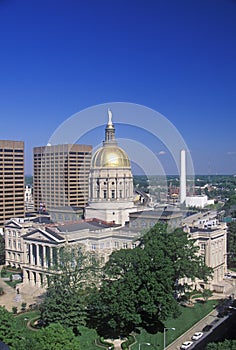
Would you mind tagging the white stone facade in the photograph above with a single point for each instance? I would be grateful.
(210, 236)
(34, 247)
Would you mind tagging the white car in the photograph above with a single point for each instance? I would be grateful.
(186, 345)
(228, 275)
(197, 335)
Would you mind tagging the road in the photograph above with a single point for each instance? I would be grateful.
(225, 330)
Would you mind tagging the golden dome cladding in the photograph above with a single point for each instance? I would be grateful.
(110, 157)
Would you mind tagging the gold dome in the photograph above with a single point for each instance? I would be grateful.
(110, 156)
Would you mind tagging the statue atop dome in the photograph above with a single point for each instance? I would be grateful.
(109, 116)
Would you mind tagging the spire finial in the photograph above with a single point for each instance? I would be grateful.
(109, 116)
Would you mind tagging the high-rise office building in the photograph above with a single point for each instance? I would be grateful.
(61, 179)
(12, 180)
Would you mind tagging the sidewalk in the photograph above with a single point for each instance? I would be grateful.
(11, 298)
(211, 317)
(196, 328)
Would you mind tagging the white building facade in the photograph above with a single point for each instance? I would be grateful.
(210, 236)
(34, 247)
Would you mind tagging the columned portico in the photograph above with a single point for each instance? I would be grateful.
(39, 254)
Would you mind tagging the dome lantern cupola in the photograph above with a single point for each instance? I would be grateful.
(110, 155)
(110, 129)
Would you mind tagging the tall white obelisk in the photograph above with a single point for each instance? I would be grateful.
(182, 176)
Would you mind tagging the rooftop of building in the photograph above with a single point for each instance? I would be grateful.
(201, 229)
(91, 225)
(157, 214)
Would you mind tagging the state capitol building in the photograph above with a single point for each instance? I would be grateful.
(90, 199)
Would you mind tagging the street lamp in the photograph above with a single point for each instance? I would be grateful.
(165, 329)
(139, 346)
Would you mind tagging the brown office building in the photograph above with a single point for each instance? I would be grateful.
(61, 180)
(12, 180)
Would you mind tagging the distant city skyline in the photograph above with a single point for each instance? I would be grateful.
(175, 57)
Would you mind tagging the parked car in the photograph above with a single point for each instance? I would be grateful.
(207, 328)
(197, 335)
(186, 345)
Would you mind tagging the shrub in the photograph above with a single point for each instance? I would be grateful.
(130, 340)
(14, 310)
(23, 306)
(101, 341)
(3, 272)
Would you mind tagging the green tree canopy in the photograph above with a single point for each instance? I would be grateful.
(8, 330)
(179, 251)
(56, 337)
(231, 244)
(225, 345)
(65, 299)
(139, 284)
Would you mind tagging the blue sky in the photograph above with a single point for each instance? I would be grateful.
(177, 57)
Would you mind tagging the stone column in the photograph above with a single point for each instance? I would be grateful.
(25, 277)
(37, 255)
(38, 279)
(25, 255)
(44, 256)
(124, 196)
(31, 278)
(116, 184)
(31, 254)
(51, 256)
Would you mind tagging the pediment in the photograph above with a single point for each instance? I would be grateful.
(13, 224)
(43, 236)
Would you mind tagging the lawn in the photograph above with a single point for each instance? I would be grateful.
(87, 338)
(7, 273)
(23, 319)
(188, 317)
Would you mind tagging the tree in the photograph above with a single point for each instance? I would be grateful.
(53, 337)
(206, 294)
(179, 250)
(139, 284)
(225, 345)
(65, 299)
(230, 204)
(2, 250)
(56, 337)
(8, 330)
(132, 294)
(231, 244)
